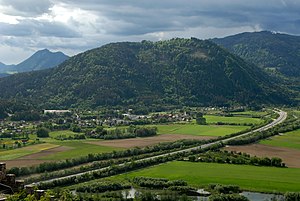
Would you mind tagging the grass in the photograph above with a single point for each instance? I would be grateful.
(17, 153)
(288, 140)
(253, 178)
(76, 148)
(201, 130)
(67, 133)
(238, 120)
(255, 113)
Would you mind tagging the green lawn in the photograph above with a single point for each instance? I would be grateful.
(78, 148)
(238, 120)
(267, 179)
(19, 152)
(289, 140)
(201, 130)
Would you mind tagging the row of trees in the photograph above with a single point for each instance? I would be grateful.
(235, 158)
(157, 183)
(130, 132)
(100, 187)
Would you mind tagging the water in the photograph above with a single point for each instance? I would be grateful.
(253, 196)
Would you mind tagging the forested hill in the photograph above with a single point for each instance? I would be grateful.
(267, 50)
(177, 71)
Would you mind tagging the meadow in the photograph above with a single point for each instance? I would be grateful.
(76, 148)
(251, 113)
(199, 130)
(252, 178)
(24, 151)
(287, 140)
(211, 119)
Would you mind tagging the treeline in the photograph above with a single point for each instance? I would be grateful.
(235, 158)
(178, 186)
(65, 195)
(130, 132)
(157, 183)
(233, 124)
(100, 187)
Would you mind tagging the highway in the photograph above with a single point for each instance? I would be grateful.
(280, 119)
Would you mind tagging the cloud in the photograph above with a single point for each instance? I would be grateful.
(37, 28)
(76, 25)
(26, 8)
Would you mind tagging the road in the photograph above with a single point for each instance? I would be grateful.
(280, 119)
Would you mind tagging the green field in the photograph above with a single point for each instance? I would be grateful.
(67, 133)
(238, 120)
(76, 148)
(201, 130)
(253, 113)
(72, 149)
(17, 153)
(288, 140)
(253, 178)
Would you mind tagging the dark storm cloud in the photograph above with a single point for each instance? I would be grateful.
(84, 24)
(37, 28)
(144, 16)
(27, 7)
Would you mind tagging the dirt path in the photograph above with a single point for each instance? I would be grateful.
(143, 142)
(291, 157)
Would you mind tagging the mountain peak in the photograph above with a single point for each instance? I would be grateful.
(42, 59)
(44, 50)
(173, 72)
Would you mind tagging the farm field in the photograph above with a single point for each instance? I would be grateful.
(56, 150)
(147, 141)
(67, 133)
(238, 120)
(253, 178)
(288, 140)
(77, 148)
(253, 113)
(285, 146)
(289, 156)
(20, 152)
(199, 130)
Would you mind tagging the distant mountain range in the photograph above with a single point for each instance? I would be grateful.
(188, 72)
(3, 75)
(266, 49)
(42, 59)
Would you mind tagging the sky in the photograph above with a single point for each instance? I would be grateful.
(73, 26)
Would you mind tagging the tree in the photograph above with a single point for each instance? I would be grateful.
(42, 132)
(200, 119)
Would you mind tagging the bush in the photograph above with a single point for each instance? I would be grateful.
(42, 132)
